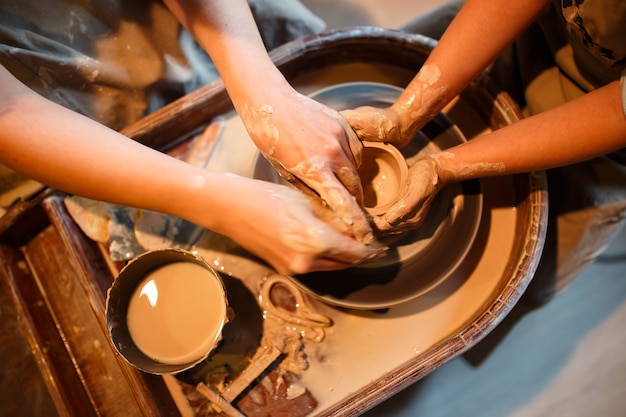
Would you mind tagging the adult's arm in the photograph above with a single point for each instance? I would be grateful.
(582, 129)
(70, 152)
(301, 137)
(476, 36)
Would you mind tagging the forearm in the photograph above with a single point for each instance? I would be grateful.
(478, 34)
(228, 33)
(589, 126)
(75, 154)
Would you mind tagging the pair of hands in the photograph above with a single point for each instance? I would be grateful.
(423, 181)
(318, 150)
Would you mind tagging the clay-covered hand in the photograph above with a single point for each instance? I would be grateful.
(376, 124)
(423, 184)
(314, 148)
(389, 124)
(397, 124)
(285, 228)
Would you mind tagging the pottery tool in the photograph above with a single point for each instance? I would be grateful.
(218, 401)
(223, 402)
(300, 315)
(252, 372)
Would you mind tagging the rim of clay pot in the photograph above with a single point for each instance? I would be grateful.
(400, 168)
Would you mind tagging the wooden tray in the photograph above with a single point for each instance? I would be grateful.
(58, 278)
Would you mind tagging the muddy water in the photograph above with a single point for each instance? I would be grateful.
(176, 314)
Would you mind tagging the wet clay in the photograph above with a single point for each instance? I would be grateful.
(262, 126)
(176, 314)
(382, 172)
(425, 97)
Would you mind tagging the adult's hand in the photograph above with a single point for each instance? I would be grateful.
(285, 228)
(314, 148)
(298, 135)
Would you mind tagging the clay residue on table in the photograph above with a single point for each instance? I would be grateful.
(243, 369)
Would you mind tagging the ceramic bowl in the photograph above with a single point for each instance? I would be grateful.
(166, 310)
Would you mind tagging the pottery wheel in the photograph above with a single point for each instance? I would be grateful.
(423, 258)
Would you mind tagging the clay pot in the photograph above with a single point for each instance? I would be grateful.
(383, 173)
